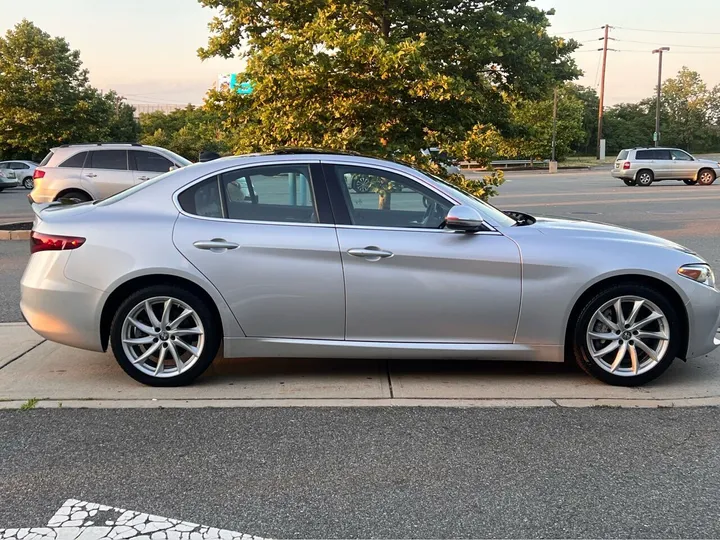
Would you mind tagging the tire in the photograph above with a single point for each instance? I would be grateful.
(137, 360)
(629, 182)
(705, 177)
(588, 348)
(28, 182)
(690, 182)
(644, 178)
(361, 184)
(75, 196)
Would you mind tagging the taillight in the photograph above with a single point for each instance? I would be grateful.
(39, 173)
(51, 242)
(626, 166)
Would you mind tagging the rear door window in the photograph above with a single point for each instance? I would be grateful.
(75, 161)
(109, 159)
(662, 155)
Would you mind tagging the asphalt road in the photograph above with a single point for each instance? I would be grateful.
(14, 206)
(375, 473)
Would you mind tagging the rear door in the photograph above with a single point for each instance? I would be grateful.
(147, 164)
(106, 173)
(644, 159)
(264, 236)
(663, 164)
(620, 159)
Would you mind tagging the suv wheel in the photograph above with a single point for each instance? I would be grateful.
(629, 182)
(627, 335)
(164, 336)
(644, 178)
(706, 177)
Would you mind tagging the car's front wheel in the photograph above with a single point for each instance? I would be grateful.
(164, 336)
(629, 182)
(706, 177)
(627, 335)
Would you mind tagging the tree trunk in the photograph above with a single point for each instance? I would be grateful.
(384, 200)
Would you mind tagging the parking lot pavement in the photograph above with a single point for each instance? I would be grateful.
(14, 206)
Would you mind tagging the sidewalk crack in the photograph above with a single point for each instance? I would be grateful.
(22, 354)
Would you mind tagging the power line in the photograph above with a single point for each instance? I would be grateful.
(669, 44)
(578, 31)
(694, 32)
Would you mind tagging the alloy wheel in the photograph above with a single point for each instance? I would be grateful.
(628, 336)
(644, 179)
(163, 336)
(706, 178)
(28, 183)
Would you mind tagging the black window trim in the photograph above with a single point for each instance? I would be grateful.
(132, 162)
(317, 183)
(92, 166)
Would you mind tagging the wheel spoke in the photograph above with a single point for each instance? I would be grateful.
(147, 354)
(607, 322)
(633, 359)
(619, 313)
(184, 315)
(647, 350)
(161, 361)
(619, 357)
(142, 327)
(139, 341)
(176, 357)
(654, 316)
(186, 332)
(634, 312)
(151, 314)
(192, 350)
(166, 313)
(610, 348)
(608, 336)
(652, 335)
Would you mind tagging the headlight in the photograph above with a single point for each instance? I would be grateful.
(702, 273)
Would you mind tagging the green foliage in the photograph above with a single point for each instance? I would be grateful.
(29, 405)
(187, 131)
(45, 98)
(383, 78)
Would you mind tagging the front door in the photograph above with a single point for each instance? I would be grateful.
(146, 164)
(409, 280)
(266, 241)
(684, 166)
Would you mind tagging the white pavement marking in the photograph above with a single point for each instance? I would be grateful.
(79, 520)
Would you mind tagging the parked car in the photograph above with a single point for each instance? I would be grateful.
(273, 255)
(643, 166)
(23, 171)
(85, 172)
(8, 179)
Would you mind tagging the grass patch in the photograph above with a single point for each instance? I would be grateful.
(29, 404)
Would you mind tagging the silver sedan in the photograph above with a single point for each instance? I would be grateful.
(276, 255)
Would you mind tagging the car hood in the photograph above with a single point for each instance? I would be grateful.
(597, 231)
(708, 162)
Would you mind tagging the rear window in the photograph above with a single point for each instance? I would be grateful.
(75, 161)
(622, 155)
(46, 160)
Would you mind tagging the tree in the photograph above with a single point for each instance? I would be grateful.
(46, 100)
(383, 77)
(187, 131)
(628, 125)
(591, 103)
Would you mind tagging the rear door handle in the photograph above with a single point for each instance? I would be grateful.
(91, 175)
(143, 178)
(216, 245)
(370, 253)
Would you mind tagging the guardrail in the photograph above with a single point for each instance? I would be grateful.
(507, 163)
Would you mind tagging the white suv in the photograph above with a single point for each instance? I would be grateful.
(85, 172)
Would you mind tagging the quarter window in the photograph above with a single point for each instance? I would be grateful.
(109, 159)
(150, 161)
(202, 199)
(75, 161)
(378, 198)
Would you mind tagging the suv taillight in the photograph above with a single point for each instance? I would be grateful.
(51, 242)
(626, 166)
(39, 173)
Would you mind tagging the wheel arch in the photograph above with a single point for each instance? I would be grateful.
(641, 169)
(701, 169)
(123, 290)
(658, 284)
(65, 191)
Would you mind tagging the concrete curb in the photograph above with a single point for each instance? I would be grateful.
(14, 235)
(391, 402)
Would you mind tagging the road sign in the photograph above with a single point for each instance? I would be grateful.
(655, 136)
(232, 81)
(77, 519)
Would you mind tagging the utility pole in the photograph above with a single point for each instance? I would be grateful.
(659, 88)
(602, 89)
(554, 133)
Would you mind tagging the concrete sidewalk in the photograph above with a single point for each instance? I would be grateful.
(31, 368)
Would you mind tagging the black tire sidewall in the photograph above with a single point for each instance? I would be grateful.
(213, 335)
(629, 183)
(652, 178)
(28, 181)
(79, 195)
(579, 345)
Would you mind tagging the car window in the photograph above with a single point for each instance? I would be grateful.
(280, 193)
(150, 161)
(662, 155)
(680, 155)
(46, 159)
(622, 155)
(644, 154)
(108, 159)
(75, 161)
(377, 198)
(202, 199)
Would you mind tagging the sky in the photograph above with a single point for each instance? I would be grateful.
(147, 49)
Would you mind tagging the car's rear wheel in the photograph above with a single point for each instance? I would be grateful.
(706, 177)
(75, 196)
(164, 336)
(626, 335)
(629, 182)
(690, 182)
(28, 182)
(644, 178)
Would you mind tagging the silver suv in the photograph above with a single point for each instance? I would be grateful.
(643, 166)
(95, 171)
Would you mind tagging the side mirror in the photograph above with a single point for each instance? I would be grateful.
(465, 219)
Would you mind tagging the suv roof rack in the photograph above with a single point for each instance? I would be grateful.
(98, 144)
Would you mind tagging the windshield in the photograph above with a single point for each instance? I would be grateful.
(487, 210)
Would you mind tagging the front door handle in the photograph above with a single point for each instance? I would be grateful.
(216, 245)
(91, 175)
(370, 253)
(143, 178)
